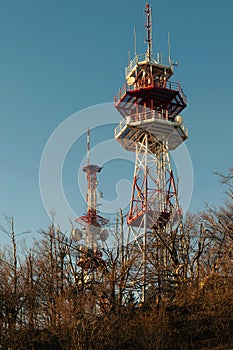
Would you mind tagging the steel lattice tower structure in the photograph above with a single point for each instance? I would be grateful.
(150, 104)
(91, 233)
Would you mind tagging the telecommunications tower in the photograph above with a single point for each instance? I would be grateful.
(150, 104)
(91, 232)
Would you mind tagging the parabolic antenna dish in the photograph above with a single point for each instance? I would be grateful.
(76, 234)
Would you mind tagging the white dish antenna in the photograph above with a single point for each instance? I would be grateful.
(130, 81)
(104, 235)
(76, 234)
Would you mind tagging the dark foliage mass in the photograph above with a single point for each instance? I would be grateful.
(57, 296)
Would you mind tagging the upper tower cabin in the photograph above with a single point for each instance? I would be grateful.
(148, 93)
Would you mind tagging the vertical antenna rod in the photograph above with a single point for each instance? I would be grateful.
(148, 26)
(88, 146)
(135, 43)
(169, 48)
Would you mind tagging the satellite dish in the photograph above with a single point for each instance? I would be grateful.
(178, 119)
(130, 81)
(76, 234)
(104, 235)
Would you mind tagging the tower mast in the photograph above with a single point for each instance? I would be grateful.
(150, 105)
(92, 224)
(148, 26)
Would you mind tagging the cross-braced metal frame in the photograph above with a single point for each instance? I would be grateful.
(154, 203)
(151, 126)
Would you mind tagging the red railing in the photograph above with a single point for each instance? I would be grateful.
(168, 85)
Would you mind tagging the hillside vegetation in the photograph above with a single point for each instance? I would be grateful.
(50, 300)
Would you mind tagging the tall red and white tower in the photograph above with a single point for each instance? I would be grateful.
(91, 232)
(150, 104)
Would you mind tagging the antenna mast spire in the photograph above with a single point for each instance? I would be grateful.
(169, 48)
(88, 146)
(148, 26)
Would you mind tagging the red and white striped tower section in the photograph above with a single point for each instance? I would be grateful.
(150, 104)
(91, 233)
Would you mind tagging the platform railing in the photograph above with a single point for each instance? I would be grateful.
(151, 114)
(140, 58)
(120, 126)
(133, 63)
(185, 129)
(168, 85)
(148, 115)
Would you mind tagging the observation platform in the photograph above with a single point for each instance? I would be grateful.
(147, 84)
(92, 219)
(155, 218)
(131, 130)
(167, 94)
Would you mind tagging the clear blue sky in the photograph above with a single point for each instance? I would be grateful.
(58, 57)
